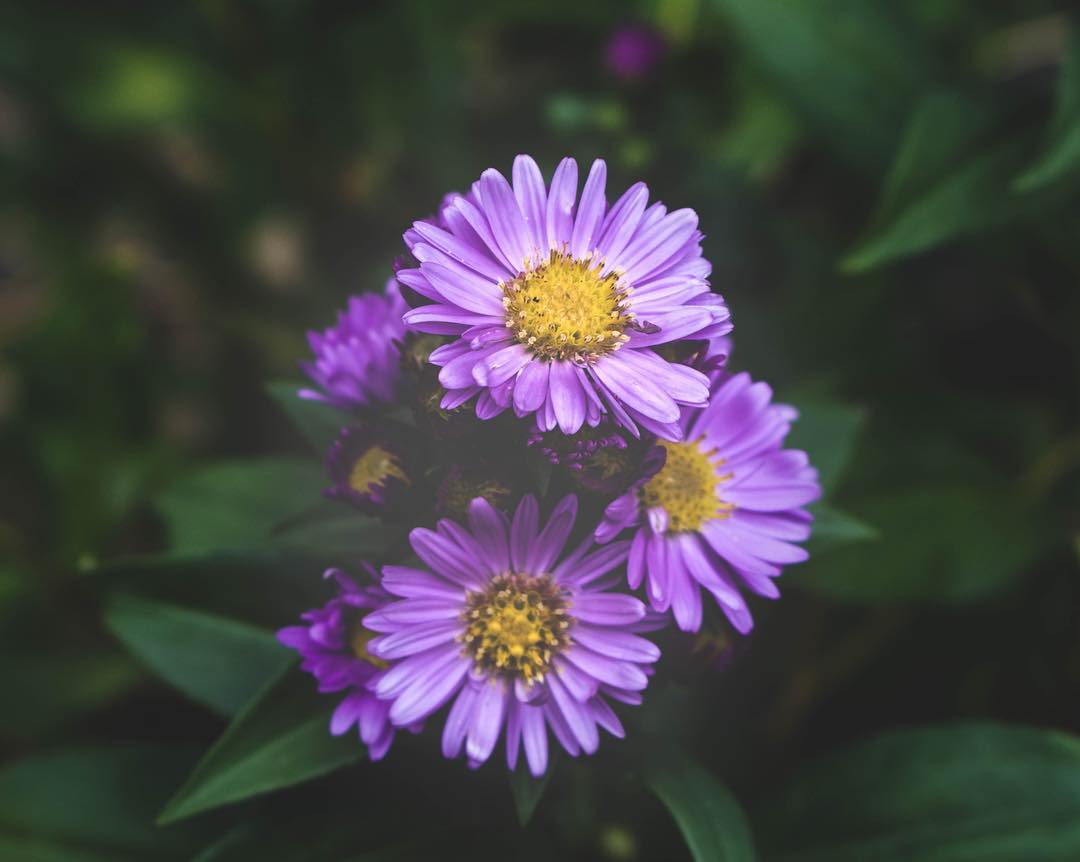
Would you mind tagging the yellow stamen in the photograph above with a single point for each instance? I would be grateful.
(565, 308)
(688, 487)
(358, 643)
(516, 625)
(373, 468)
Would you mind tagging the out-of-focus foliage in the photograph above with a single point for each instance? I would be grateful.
(891, 197)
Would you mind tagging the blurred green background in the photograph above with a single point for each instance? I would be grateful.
(891, 198)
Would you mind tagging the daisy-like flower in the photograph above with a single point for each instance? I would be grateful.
(519, 632)
(368, 469)
(723, 512)
(357, 362)
(557, 301)
(333, 644)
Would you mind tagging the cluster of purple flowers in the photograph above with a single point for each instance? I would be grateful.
(536, 330)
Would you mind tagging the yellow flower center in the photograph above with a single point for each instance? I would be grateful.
(373, 468)
(687, 487)
(515, 625)
(358, 643)
(566, 309)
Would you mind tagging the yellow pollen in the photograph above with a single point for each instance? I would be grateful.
(687, 487)
(374, 467)
(358, 643)
(516, 625)
(565, 308)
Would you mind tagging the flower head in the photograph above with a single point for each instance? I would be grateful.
(601, 459)
(725, 510)
(557, 303)
(517, 631)
(357, 362)
(333, 645)
(368, 469)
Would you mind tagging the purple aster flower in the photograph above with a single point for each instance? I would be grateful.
(725, 510)
(333, 645)
(357, 362)
(557, 302)
(368, 469)
(633, 50)
(600, 459)
(515, 630)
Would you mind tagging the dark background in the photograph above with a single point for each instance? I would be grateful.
(889, 194)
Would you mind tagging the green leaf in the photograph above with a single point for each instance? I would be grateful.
(82, 678)
(938, 542)
(281, 738)
(969, 792)
(335, 530)
(828, 433)
(848, 66)
(317, 421)
(709, 817)
(217, 661)
(1061, 156)
(528, 791)
(944, 126)
(234, 505)
(834, 529)
(90, 803)
(944, 184)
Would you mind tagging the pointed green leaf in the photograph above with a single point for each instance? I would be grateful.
(850, 67)
(827, 432)
(219, 662)
(709, 817)
(966, 792)
(834, 529)
(281, 738)
(90, 803)
(528, 791)
(972, 197)
(317, 421)
(335, 530)
(1061, 158)
(234, 505)
(938, 542)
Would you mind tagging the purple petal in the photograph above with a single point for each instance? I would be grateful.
(566, 397)
(415, 639)
(635, 561)
(577, 717)
(422, 698)
(523, 531)
(531, 387)
(617, 644)
(608, 609)
(621, 674)
(471, 292)
(462, 252)
(560, 204)
(590, 212)
(635, 390)
(532, 199)
(414, 583)
(487, 719)
(504, 216)
(552, 539)
(489, 527)
(458, 721)
(621, 222)
(534, 737)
